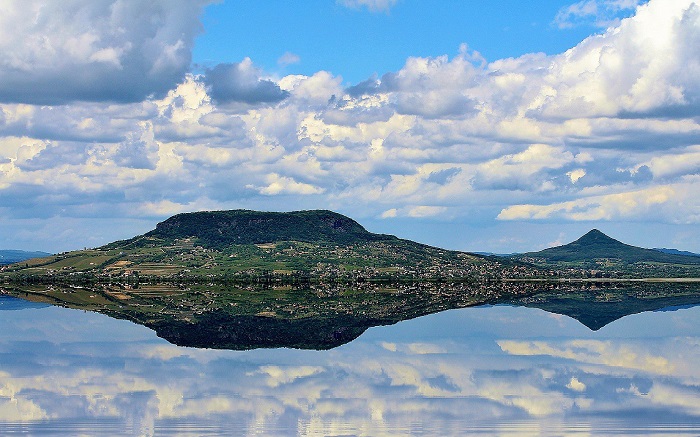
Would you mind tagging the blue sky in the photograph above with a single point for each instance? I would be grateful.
(482, 126)
(356, 42)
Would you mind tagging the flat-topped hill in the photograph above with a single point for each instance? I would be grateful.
(258, 227)
(219, 229)
(250, 245)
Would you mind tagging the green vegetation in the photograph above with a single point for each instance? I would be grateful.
(221, 229)
(596, 254)
(251, 246)
(243, 246)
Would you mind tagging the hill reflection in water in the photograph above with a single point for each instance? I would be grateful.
(325, 317)
(489, 369)
(593, 307)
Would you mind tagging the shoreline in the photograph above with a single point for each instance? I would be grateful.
(603, 280)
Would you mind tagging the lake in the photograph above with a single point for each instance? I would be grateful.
(490, 370)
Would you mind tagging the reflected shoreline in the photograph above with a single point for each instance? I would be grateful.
(324, 317)
(495, 369)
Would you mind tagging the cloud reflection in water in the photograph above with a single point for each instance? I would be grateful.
(494, 369)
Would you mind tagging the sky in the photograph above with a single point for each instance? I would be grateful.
(481, 126)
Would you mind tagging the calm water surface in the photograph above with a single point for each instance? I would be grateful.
(481, 371)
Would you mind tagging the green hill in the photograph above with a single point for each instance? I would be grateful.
(220, 229)
(324, 245)
(253, 245)
(601, 254)
(676, 251)
(597, 245)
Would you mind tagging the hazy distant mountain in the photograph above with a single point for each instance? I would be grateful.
(13, 256)
(503, 255)
(676, 251)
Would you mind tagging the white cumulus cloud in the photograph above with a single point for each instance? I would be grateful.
(371, 5)
(607, 130)
(102, 50)
(599, 13)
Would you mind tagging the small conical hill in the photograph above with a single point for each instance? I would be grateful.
(597, 245)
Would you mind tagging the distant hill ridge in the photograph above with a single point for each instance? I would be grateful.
(597, 245)
(13, 256)
(217, 229)
(676, 251)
